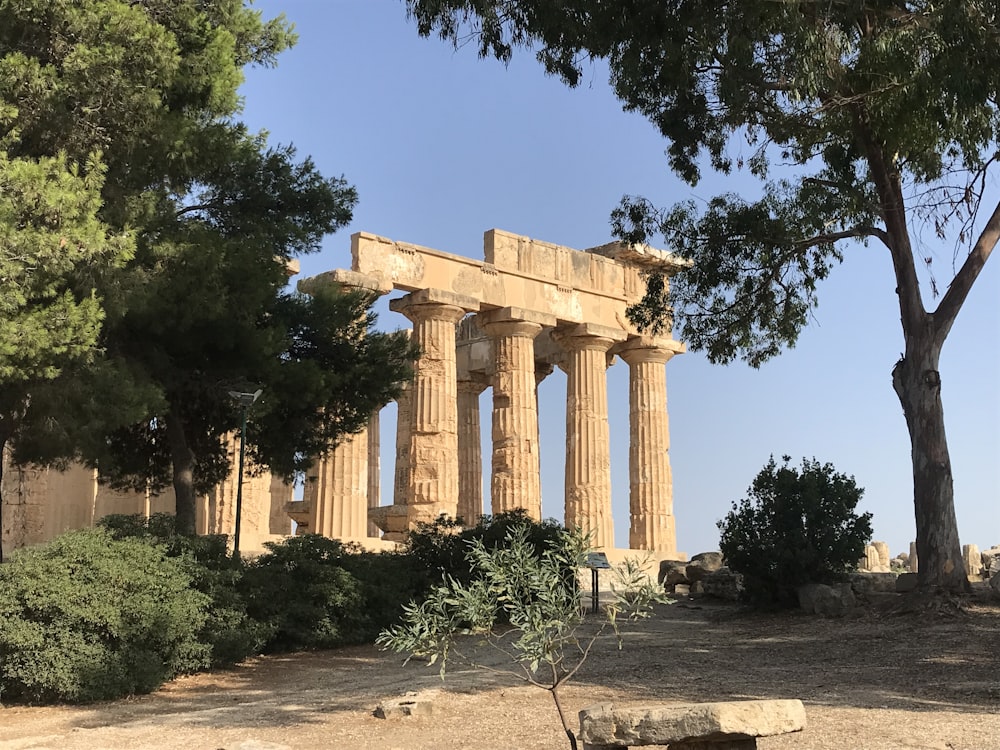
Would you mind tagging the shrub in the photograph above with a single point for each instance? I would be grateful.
(794, 527)
(303, 595)
(442, 547)
(88, 617)
(518, 603)
(230, 632)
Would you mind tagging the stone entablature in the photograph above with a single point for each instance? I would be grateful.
(505, 322)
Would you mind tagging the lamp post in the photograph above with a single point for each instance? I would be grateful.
(245, 401)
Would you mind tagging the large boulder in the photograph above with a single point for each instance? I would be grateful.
(672, 573)
(828, 601)
(723, 584)
(702, 565)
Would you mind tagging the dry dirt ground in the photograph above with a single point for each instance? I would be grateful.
(877, 681)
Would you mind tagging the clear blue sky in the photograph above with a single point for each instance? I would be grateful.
(443, 146)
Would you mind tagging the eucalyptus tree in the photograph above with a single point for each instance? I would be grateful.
(863, 121)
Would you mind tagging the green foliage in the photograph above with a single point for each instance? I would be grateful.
(881, 117)
(88, 617)
(303, 594)
(794, 527)
(544, 644)
(230, 632)
(441, 548)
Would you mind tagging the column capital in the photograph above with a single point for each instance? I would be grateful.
(475, 383)
(588, 336)
(514, 315)
(340, 279)
(437, 304)
(648, 349)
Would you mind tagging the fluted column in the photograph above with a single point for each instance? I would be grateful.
(401, 472)
(470, 456)
(514, 481)
(432, 486)
(588, 445)
(374, 467)
(339, 495)
(651, 508)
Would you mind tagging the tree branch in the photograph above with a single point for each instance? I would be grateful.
(959, 288)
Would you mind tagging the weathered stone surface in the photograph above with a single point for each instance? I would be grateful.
(906, 582)
(651, 506)
(702, 565)
(611, 726)
(991, 562)
(995, 583)
(723, 584)
(828, 601)
(711, 560)
(588, 451)
(261, 745)
(864, 583)
(973, 561)
(912, 559)
(672, 572)
(411, 704)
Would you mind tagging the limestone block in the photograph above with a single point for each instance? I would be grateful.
(828, 601)
(864, 583)
(973, 560)
(883, 556)
(702, 565)
(672, 572)
(411, 704)
(723, 584)
(995, 583)
(610, 726)
(991, 562)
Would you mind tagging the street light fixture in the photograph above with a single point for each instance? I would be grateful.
(245, 400)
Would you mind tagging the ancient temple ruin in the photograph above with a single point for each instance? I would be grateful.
(503, 323)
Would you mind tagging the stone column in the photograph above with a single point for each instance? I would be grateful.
(432, 486)
(339, 499)
(515, 482)
(374, 467)
(401, 472)
(650, 482)
(470, 457)
(588, 448)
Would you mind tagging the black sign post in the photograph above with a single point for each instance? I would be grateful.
(596, 561)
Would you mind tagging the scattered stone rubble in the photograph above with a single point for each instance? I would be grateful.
(706, 575)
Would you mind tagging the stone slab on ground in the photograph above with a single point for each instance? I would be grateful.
(607, 725)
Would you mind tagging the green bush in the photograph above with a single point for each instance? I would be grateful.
(232, 634)
(442, 547)
(794, 527)
(88, 617)
(303, 595)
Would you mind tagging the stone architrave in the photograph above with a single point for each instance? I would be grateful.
(470, 452)
(588, 440)
(515, 477)
(432, 487)
(374, 467)
(651, 506)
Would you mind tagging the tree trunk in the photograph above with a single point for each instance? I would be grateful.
(183, 461)
(3, 448)
(917, 382)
